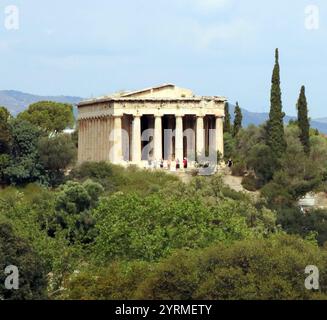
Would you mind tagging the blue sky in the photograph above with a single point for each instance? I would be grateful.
(215, 47)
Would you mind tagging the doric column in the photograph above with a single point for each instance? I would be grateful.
(94, 136)
(200, 137)
(168, 139)
(220, 135)
(158, 138)
(136, 140)
(97, 141)
(117, 135)
(80, 140)
(179, 145)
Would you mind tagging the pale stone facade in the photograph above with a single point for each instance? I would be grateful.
(159, 123)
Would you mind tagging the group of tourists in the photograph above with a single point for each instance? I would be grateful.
(171, 165)
(175, 165)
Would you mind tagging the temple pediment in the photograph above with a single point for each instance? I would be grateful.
(169, 91)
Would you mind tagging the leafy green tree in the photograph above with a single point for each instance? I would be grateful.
(149, 227)
(229, 146)
(227, 122)
(73, 203)
(56, 154)
(51, 117)
(297, 174)
(237, 120)
(262, 161)
(24, 164)
(32, 277)
(303, 121)
(275, 125)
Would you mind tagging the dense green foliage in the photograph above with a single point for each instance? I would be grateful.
(4, 130)
(134, 227)
(15, 252)
(303, 121)
(56, 154)
(28, 154)
(24, 166)
(251, 269)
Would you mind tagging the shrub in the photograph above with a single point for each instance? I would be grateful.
(238, 169)
(250, 183)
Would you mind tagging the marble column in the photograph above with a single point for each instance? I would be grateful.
(200, 137)
(158, 138)
(136, 140)
(179, 136)
(80, 140)
(168, 139)
(220, 135)
(117, 137)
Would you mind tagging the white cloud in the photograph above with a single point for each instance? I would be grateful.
(210, 35)
(203, 36)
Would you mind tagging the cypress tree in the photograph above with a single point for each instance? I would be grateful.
(275, 125)
(237, 120)
(227, 124)
(303, 121)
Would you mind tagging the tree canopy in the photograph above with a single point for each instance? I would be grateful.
(51, 117)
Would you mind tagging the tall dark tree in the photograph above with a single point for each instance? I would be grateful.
(275, 125)
(227, 124)
(4, 130)
(237, 120)
(303, 120)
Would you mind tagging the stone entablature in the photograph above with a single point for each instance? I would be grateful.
(111, 107)
(111, 128)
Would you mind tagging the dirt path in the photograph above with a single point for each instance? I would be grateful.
(234, 183)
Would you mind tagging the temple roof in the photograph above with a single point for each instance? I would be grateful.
(165, 91)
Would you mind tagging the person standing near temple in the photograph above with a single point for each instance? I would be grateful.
(185, 163)
(178, 166)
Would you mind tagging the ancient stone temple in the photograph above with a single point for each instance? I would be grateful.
(159, 123)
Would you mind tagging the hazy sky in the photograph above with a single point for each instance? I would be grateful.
(215, 47)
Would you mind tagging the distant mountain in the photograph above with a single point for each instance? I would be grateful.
(257, 118)
(17, 101)
(322, 120)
